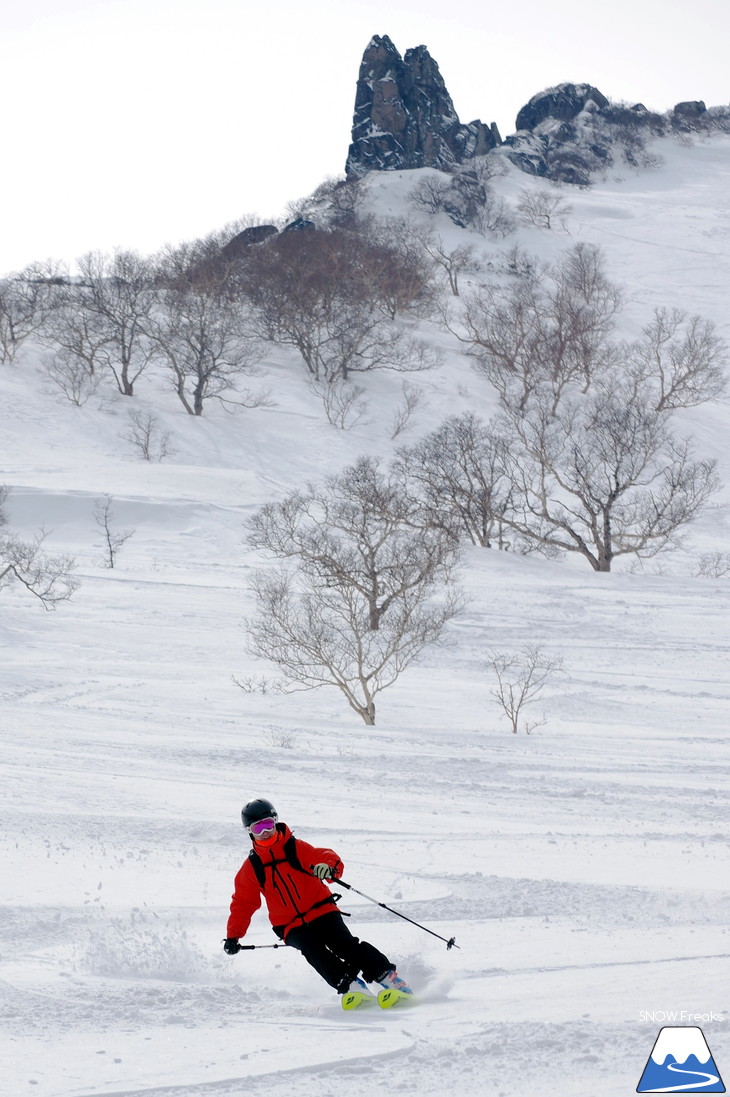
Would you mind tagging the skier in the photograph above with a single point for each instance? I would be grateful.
(290, 875)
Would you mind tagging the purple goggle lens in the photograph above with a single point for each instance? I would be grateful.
(262, 826)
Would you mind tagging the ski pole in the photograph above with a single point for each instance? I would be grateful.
(450, 942)
(242, 947)
(282, 945)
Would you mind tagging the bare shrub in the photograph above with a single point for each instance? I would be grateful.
(493, 217)
(489, 167)
(280, 738)
(361, 529)
(336, 200)
(543, 209)
(259, 683)
(713, 565)
(48, 577)
(70, 376)
(467, 199)
(147, 436)
(342, 401)
(412, 399)
(520, 680)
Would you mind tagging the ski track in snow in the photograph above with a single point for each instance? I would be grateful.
(585, 870)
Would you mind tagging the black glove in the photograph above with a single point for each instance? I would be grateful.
(231, 946)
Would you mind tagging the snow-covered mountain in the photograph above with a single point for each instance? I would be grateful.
(583, 870)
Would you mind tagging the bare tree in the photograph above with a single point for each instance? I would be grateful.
(682, 358)
(148, 437)
(76, 336)
(113, 539)
(521, 678)
(403, 276)
(430, 194)
(26, 298)
(602, 475)
(458, 471)
(360, 530)
(200, 330)
(47, 576)
(320, 634)
(547, 325)
(543, 209)
(592, 464)
(332, 296)
(361, 605)
(118, 295)
(453, 261)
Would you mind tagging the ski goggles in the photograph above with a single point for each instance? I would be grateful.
(261, 826)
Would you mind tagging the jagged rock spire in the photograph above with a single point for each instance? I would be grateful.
(404, 116)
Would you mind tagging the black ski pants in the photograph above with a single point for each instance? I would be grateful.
(327, 944)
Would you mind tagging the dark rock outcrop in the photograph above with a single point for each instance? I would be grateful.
(558, 137)
(301, 224)
(404, 116)
(691, 109)
(562, 104)
(235, 248)
(572, 132)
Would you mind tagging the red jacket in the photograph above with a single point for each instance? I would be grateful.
(292, 897)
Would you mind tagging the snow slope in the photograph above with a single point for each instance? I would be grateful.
(585, 870)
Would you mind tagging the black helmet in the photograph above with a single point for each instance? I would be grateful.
(258, 809)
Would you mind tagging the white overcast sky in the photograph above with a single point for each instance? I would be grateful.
(139, 122)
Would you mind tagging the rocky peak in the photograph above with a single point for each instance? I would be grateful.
(570, 133)
(573, 134)
(562, 104)
(405, 118)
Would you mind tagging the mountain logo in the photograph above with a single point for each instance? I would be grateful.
(680, 1062)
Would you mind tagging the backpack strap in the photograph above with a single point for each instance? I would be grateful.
(258, 866)
(290, 852)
